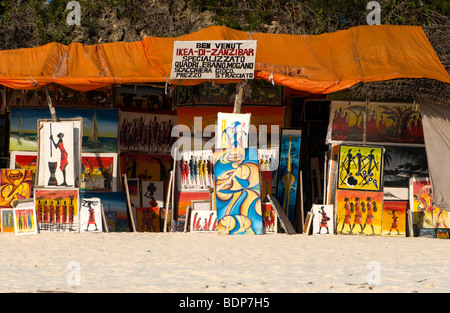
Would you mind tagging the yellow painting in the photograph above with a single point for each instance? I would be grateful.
(360, 168)
(394, 218)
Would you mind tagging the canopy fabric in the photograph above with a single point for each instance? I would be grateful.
(314, 63)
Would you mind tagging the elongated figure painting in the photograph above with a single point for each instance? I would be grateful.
(323, 219)
(91, 215)
(394, 218)
(237, 189)
(288, 171)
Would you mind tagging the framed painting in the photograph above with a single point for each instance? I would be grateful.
(153, 194)
(394, 218)
(91, 215)
(196, 170)
(442, 233)
(323, 219)
(155, 167)
(237, 191)
(59, 153)
(7, 220)
(270, 218)
(134, 191)
(26, 160)
(141, 97)
(360, 168)
(359, 212)
(201, 205)
(426, 215)
(148, 219)
(25, 219)
(115, 207)
(288, 171)
(14, 185)
(203, 221)
(185, 199)
(146, 132)
(232, 130)
(98, 172)
(57, 210)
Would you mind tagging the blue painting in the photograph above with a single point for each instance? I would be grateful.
(99, 127)
(288, 171)
(237, 190)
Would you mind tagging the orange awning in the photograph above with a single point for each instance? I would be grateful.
(314, 63)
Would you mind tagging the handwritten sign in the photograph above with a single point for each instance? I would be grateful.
(216, 59)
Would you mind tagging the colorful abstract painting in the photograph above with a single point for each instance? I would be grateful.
(270, 218)
(232, 130)
(99, 172)
(358, 212)
(196, 170)
(323, 219)
(148, 219)
(91, 215)
(7, 220)
(115, 208)
(57, 210)
(14, 185)
(394, 218)
(203, 221)
(237, 190)
(288, 172)
(185, 198)
(360, 168)
(425, 214)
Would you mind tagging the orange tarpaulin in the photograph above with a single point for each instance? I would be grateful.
(314, 63)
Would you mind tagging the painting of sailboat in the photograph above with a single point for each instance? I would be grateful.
(99, 127)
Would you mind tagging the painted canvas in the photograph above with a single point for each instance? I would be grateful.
(58, 156)
(57, 210)
(394, 218)
(232, 130)
(146, 132)
(91, 215)
(360, 168)
(426, 215)
(270, 218)
(237, 190)
(143, 97)
(99, 127)
(288, 172)
(196, 170)
(152, 194)
(26, 160)
(323, 219)
(134, 191)
(7, 220)
(402, 163)
(14, 185)
(346, 121)
(99, 172)
(203, 221)
(115, 208)
(358, 212)
(154, 167)
(185, 198)
(25, 220)
(148, 219)
(442, 233)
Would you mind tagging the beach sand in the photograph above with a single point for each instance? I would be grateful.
(213, 263)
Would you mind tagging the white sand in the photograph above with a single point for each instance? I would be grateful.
(212, 263)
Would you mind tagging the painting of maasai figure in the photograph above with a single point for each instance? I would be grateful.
(358, 212)
(25, 220)
(90, 215)
(14, 185)
(360, 168)
(425, 213)
(232, 130)
(270, 218)
(7, 220)
(323, 219)
(57, 209)
(146, 132)
(196, 170)
(394, 218)
(288, 172)
(59, 154)
(237, 190)
(148, 219)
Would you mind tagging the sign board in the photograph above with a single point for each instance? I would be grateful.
(215, 59)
